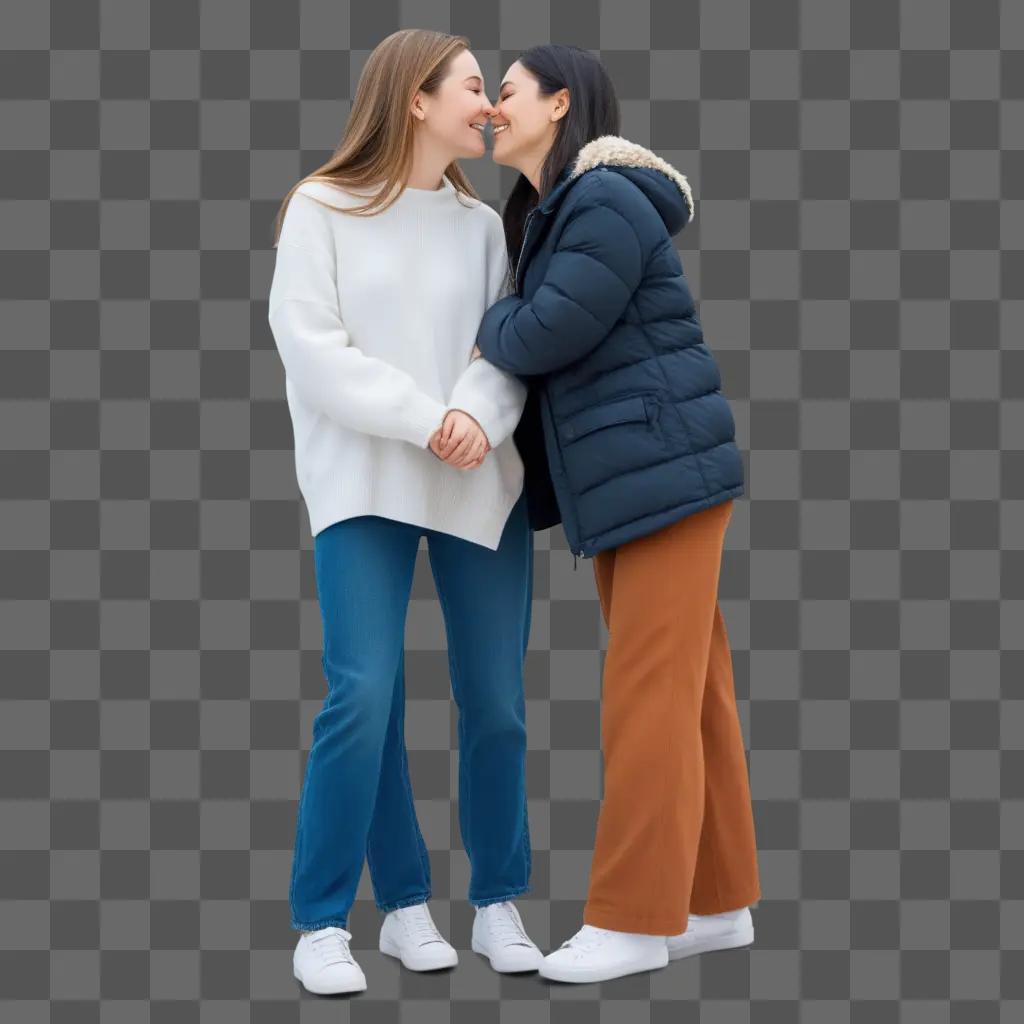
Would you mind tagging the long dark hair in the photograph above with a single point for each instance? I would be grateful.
(593, 111)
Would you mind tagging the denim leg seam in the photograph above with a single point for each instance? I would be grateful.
(370, 870)
(407, 782)
(298, 826)
(527, 618)
(394, 904)
(457, 687)
(369, 864)
(424, 856)
(423, 852)
(527, 852)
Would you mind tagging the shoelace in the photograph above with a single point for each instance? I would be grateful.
(587, 938)
(507, 925)
(333, 946)
(422, 925)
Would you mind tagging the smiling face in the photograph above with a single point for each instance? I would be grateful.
(455, 117)
(524, 121)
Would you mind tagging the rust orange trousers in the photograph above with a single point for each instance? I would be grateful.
(675, 833)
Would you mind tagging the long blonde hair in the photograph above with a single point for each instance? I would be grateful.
(377, 146)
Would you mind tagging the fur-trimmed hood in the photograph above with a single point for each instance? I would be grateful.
(666, 187)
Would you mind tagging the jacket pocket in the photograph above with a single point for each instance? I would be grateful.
(624, 410)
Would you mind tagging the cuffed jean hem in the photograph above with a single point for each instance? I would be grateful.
(488, 900)
(409, 901)
(327, 922)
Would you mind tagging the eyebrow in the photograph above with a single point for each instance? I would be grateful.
(507, 81)
(469, 78)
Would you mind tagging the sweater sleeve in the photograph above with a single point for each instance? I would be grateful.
(493, 397)
(330, 373)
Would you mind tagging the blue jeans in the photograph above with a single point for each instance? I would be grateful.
(356, 799)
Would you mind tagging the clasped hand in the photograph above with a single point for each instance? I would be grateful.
(460, 441)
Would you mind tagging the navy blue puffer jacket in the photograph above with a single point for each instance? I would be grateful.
(625, 428)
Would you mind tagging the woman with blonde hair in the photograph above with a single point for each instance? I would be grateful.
(386, 262)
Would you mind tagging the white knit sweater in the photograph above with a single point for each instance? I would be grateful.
(375, 319)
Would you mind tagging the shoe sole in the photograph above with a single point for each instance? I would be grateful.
(588, 977)
(389, 948)
(478, 948)
(333, 990)
(714, 944)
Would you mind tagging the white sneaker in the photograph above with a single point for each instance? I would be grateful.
(598, 954)
(706, 932)
(410, 934)
(499, 935)
(324, 964)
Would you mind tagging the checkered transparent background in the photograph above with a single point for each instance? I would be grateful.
(857, 258)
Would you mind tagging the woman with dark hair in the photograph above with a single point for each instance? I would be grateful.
(628, 441)
(386, 261)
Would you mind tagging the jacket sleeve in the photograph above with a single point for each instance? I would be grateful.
(330, 373)
(596, 267)
(493, 397)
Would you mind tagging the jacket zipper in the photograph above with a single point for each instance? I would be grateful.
(522, 248)
(519, 266)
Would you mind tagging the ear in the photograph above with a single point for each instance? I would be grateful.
(561, 107)
(418, 108)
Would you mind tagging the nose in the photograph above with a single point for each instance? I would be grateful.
(489, 109)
